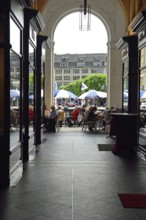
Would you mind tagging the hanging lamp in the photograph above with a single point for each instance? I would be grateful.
(85, 17)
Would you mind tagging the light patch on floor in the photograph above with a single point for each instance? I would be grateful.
(105, 147)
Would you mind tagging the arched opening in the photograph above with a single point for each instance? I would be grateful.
(69, 39)
(114, 56)
(82, 42)
(79, 53)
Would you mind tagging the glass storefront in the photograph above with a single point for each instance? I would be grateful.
(143, 91)
(31, 90)
(15, 97)
(125, 85)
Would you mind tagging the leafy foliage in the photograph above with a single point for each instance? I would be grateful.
(95, 81)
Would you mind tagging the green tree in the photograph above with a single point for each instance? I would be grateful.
(95, 81)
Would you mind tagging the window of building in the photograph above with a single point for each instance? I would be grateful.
(80, 64)
(90, 64)
(81, 59)
(63, 65)
(97, 59)
(58, 71)
(83, 76)
(100, 71)
(65, 59)
(58, 77)
(57, 64)
(67, 71)
(94, 70)
(76, 70)
(96, 63)
(103, 63)
(65, 83)
(72, 64)
(66, 77)
(76, 77)
(84, 70)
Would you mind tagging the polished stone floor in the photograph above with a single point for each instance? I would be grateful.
(70, 179)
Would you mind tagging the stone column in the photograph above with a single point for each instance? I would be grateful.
(114, 76)
(49, 78)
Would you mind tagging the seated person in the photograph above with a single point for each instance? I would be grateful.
(31, 114)
(61, 116)
(74, 117)
(50, 122)
(13, 118)
(88, 109)
(92, 117)
(82, 112)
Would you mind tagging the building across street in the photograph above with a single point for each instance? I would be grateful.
(71, 67)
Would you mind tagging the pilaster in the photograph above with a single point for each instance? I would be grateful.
(114, 76)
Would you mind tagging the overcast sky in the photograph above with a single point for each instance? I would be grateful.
(68, 38)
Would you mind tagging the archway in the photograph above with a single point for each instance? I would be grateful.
(79, 53)
(112, 16)
(69, 39)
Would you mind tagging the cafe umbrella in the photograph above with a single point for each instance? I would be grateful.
(65, 94)
(56, 92)
(14, 93)
(93, 94)
(143, 95)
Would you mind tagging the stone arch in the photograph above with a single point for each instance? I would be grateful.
(109, 33)
(114, 20)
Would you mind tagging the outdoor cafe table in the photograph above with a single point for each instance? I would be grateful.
(124, 127)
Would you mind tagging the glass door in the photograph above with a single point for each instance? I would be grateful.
(15, 99)
(142, 108)
(31, 95)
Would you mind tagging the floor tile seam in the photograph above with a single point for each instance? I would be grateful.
(74, 162)
(72, 181)
(81, 166)
(77, 164)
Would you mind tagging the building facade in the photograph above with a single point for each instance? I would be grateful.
(71, 67)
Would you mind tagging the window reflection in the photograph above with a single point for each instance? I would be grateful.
(2, 93)
(31, 89)
(143, 101)
(125, 85)
(14, 99)
(143, 57)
